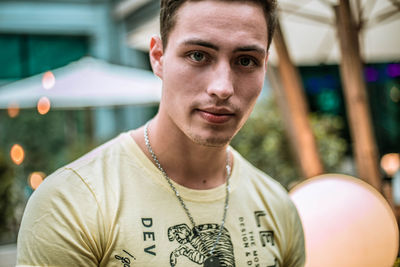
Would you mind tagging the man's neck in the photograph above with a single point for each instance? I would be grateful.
(187, 163)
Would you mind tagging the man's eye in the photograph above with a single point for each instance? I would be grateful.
(246, 62)
(197, 56)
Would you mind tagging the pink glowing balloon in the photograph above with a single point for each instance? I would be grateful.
(346, 223)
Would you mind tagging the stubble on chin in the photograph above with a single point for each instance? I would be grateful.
(210, 141)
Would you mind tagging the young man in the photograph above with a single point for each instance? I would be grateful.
(172, 193)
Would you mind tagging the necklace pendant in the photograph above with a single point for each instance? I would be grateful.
(212, 261)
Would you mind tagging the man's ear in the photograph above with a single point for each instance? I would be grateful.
(156, 55)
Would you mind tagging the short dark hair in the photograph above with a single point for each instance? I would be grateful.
(169, 9)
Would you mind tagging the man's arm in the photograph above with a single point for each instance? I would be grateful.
(295, 254)
(62, 224)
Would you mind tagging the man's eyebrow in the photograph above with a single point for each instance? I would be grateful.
(200, 42)
(247, 48)
(251, 48)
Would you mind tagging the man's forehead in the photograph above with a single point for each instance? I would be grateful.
(238, 8)
(206, 21)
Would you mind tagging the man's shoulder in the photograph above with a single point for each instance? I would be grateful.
(253, 172)
(115, 147)
(92, 168)
(259, 179)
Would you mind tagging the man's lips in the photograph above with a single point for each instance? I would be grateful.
(216, 115)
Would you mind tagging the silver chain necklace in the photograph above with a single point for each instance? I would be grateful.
(211, 261)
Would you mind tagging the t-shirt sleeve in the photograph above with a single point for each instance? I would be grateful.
(62, 224)
(295, 254)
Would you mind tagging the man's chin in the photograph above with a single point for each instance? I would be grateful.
(212, 141)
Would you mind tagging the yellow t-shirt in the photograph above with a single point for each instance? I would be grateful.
(113, 207)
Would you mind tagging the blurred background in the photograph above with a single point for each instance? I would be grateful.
(75, 73)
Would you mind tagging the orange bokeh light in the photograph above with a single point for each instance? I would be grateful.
(17, 154)
(43, 105)
(35, 179)
(13, 109)
(390, 163)
(48, 80)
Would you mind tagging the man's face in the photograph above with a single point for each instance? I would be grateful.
(213, 69)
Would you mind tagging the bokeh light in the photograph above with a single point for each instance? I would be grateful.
(393, 70)
(43, 105)
(17, 154)
(48, 80)
(35, 179)
(390, 163)
(13, 109)
(395, 94)
(371, 74)
(346, 223)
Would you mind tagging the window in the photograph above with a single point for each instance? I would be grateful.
(24, 55)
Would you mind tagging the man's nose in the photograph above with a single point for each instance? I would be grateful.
(221, 81)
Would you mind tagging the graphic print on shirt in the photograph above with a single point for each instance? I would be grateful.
(195, 244)
(252, 238)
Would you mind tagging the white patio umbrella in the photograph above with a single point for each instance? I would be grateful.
(310, 30)
(88, 82)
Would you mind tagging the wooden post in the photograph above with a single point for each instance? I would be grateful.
(294, 106)
(355, 93)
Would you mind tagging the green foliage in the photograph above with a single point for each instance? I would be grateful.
(49, 142)
(8, 199)
(265, 144)
(42, 138)
(327, 130)
(397, 263)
